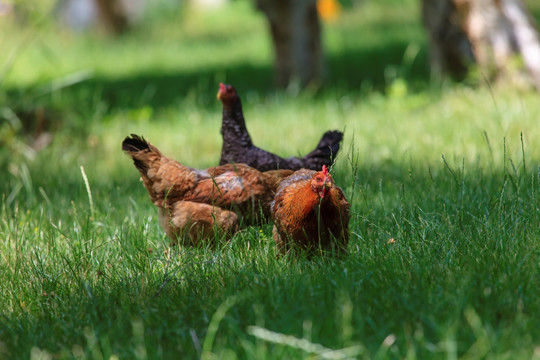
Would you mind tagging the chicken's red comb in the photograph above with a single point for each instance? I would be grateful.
(221, 87)
(325, 170)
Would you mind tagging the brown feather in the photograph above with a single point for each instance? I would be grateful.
(305, 219)
(195, 204)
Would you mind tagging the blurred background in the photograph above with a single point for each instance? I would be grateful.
(84, 71)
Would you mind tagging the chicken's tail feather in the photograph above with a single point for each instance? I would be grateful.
(141, 151)
(326, 151)
(135, 143)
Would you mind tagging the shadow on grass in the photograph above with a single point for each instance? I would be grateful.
(356, 68)
(346, 72)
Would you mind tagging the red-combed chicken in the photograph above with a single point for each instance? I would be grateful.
(238, 147)
(310, 212)
(194, 204)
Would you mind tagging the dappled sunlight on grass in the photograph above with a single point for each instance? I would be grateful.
(443, 183)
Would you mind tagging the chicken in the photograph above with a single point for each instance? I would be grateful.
(194, 204)
(238, 147)
(310, 212)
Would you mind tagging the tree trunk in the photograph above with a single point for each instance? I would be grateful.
(492, 31)
(525, 36)
(450, 50)
(296, 34)
(113, 15)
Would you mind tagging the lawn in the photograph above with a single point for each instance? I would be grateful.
(444, 257)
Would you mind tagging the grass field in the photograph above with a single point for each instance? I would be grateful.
(450, 174)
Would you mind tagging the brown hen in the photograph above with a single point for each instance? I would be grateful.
(310, 212)
(195, 204)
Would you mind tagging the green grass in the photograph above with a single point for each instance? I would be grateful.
(451, 174)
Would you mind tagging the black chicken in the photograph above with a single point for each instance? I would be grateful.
(238, 147)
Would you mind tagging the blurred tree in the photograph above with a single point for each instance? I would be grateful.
(450, 50)
(112, 14)
(296, 34)
(490, 33)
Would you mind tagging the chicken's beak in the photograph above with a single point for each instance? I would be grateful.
(221, 91)
(326, 186)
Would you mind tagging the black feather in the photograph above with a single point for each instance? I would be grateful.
(135, 143)
(238, 146)
(325, 152)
